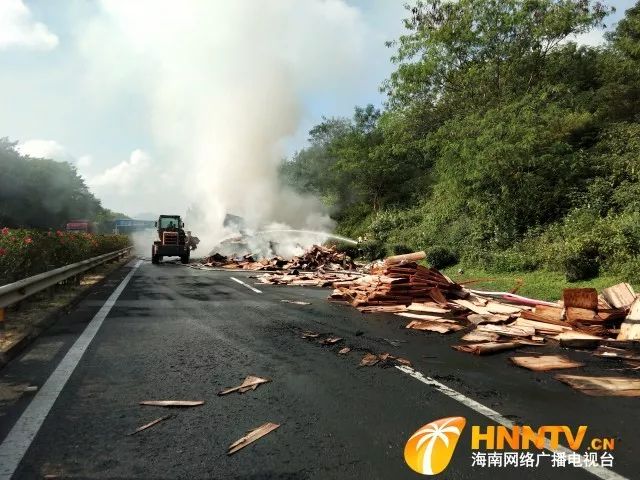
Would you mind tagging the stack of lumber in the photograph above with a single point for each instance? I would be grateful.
(399, 281)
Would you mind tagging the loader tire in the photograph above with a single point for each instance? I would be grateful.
(184, 258)
(155, 259)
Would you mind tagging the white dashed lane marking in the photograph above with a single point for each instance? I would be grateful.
(245, 284)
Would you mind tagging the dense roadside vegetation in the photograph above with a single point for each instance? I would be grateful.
(42, 193)
(28, 252)
(503, 145)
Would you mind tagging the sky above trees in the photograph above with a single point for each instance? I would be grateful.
(124, 90)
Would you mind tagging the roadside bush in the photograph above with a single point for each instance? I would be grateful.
(354, 222)
(24, 253)
(631, 271)
(510, 261)
(441, 257)
(582, 265)
(401, 249)
(585, 244)
(373, 249)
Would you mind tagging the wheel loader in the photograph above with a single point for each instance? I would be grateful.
(172, 241)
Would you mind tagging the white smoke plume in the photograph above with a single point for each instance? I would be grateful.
(224, 82)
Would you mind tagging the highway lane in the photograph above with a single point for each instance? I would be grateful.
(180, 333)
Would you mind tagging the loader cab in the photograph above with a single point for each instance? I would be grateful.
(169, 223)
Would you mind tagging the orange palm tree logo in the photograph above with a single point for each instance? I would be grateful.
(429, 450)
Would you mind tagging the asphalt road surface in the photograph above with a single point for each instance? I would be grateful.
(175, 332)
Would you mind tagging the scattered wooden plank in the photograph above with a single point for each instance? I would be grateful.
(534, 341)
(407, 258)
(150, 424)
(620, 295)
(602, 303)
(383, 309)
(172, 403)
(611, 314)
(403, 361)
(603, 386)
(496, 307)
(489, 318)
(480, 336)
(630, 328)
(543, 363)
(550, 313)
(436, 294)
(508, 330)
(434, 326)
(573, 339)
(586, 298)
(251, 437)
(427, 308)
(425, 317)
(631, 345)
(542, 318)
(478, 300)
(541, 327)
(616, 353)
(577, 314)
(369, 360)
(474, 308)
(250, 383)
(486, 348)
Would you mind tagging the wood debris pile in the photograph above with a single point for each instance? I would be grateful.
(396, 282)
(319, 257)
(495, 321)
(315, 258)
(308, 279)
(246, 262)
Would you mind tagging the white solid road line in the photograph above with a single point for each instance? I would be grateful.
(600, 472)
(245, 284)
(24, 431)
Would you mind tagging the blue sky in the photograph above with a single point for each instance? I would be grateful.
(61, 98)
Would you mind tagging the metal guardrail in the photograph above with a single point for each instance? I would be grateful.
(17, 291)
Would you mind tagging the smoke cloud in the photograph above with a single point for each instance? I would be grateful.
(223, 82)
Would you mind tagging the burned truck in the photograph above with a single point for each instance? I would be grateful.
(172, 241)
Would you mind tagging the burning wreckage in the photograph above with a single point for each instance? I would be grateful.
(607, 323)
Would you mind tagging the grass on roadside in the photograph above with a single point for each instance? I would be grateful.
(539, 284)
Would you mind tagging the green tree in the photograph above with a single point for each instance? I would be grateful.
(619, 67)
(41, 193)
(474, 54)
